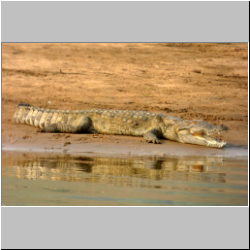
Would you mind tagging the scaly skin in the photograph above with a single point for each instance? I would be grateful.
(151, 126)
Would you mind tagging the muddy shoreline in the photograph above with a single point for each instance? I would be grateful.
(112, 146)
(190, 81)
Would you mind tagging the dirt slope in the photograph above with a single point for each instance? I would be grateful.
(192, 81)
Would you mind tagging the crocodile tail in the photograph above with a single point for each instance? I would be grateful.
(21, 113)
(38, 117)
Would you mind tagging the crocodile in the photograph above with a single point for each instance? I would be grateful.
(152, 126)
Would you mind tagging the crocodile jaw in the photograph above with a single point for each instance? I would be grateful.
(200, 138)
(208, 140)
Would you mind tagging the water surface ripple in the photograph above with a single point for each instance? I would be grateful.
(39, 179)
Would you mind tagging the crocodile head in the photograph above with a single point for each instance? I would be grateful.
(198, 132)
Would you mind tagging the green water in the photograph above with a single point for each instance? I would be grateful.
(39, 179)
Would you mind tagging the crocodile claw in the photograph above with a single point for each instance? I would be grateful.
(154, 141)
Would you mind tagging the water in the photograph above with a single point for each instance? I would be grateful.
(37, 179)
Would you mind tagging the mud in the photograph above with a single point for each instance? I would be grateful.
(191, 81)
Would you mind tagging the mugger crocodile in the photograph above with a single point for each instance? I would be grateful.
(151, 126)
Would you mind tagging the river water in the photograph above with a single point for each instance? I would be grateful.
(39, 179)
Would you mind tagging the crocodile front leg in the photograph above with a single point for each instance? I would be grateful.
(80, 125)
(151, 136)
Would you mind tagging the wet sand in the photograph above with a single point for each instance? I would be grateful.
(191, 81)
(88, 144)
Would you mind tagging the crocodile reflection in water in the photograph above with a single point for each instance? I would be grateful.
(117, 170)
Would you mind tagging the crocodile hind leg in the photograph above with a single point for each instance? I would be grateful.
(52, 128)
(151, 136)
(76, 126)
